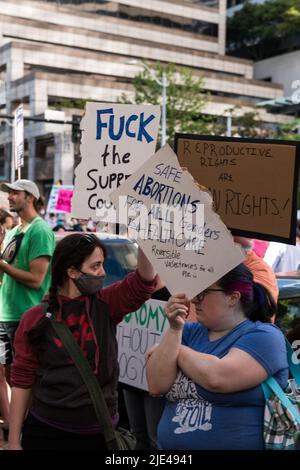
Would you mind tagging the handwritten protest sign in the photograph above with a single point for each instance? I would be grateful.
(135, 335)
(64, 198)
(253, 182)
(116, 140)
(53, 198)
(173, 221)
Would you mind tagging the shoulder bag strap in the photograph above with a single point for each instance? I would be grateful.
(88, 378)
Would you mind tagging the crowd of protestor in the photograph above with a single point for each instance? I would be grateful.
(207, 372)
(62, 222)
(58, 222)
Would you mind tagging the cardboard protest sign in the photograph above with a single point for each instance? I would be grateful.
(53, 198)
(253, 182)
(63, 202)
(173, 222)
(137, 333)
(116, 140)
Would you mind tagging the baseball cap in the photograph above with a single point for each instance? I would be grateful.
(21, 185)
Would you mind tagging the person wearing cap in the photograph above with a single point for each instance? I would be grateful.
(24, 262)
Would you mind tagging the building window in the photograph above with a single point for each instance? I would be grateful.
(144, 15)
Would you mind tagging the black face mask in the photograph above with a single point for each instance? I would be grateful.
(89, 284)
(11, 250)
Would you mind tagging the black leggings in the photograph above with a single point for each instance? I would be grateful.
(37, 435)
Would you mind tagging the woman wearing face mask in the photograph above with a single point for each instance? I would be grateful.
(44, 379)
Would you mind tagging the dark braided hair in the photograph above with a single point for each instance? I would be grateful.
(71, 251)
(256, 302)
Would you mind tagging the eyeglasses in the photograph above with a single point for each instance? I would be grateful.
(200, 297)
(90, 238)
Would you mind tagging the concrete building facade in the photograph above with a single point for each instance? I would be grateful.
(53, 55)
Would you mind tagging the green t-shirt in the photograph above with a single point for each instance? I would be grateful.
(15, 297)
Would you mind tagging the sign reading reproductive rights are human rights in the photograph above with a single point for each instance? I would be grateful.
(116, 140)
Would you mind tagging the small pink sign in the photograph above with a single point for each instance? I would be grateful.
(64, 198)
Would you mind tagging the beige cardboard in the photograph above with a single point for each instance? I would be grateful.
(183, 270)
(98, 174)
(251, 183)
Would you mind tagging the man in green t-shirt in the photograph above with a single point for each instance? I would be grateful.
(26, 272)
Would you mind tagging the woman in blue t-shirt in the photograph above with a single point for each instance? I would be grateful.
(211, 371)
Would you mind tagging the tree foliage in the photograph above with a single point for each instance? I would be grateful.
(186, 98)
(260, 30)
(250, 125)
(69, 103)
(245, 125)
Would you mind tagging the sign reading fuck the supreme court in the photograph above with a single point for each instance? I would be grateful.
(116, 140)
(253, 182)
(174, 223)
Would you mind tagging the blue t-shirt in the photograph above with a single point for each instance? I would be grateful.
(195, 418)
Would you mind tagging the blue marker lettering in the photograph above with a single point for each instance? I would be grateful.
(111, 128)
(101, 124)
(134, 117)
